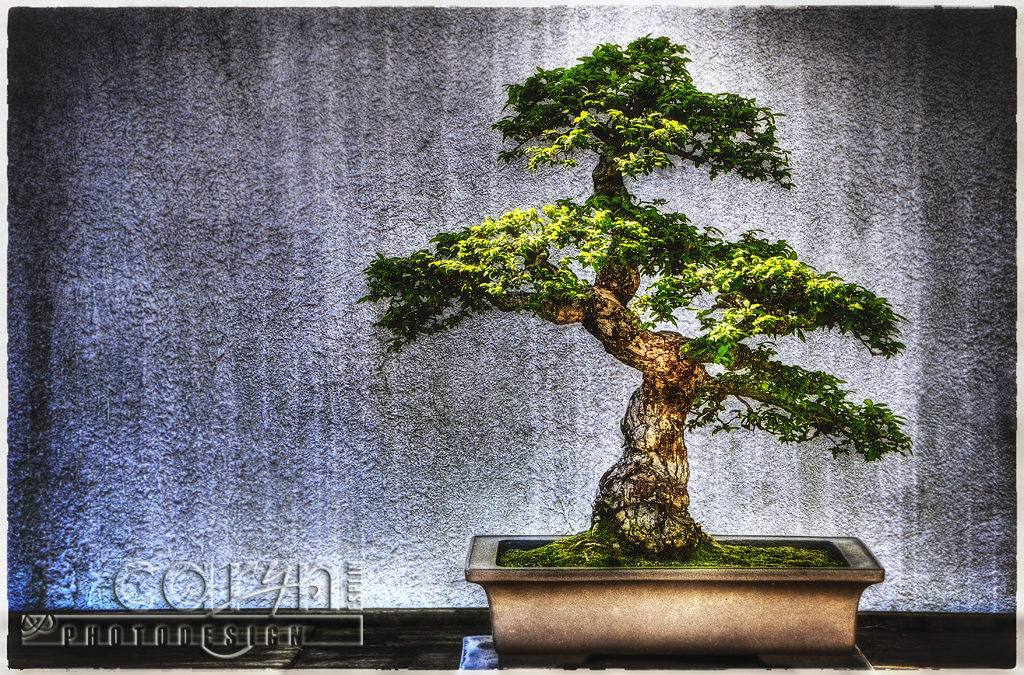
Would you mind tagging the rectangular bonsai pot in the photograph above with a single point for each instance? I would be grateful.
(575, 612)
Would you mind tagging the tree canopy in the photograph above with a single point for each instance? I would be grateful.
(619, 260)
(639, 106)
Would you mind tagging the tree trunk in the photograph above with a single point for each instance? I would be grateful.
(642, 500)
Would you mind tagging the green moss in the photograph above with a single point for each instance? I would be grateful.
(596, 548)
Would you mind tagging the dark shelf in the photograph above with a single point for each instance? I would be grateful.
(432, 639)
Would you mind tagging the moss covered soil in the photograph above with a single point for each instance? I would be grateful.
(595, 548)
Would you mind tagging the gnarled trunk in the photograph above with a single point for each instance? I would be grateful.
(642, 499)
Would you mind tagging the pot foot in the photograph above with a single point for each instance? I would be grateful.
(478, 654)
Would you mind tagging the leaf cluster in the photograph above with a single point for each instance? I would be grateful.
(639, 107)
(760, 288)
(798, 405)
(423, 299)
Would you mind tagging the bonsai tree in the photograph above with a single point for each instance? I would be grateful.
(619, 267)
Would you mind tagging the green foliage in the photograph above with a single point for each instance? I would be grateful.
(639, 107)
(597, 548)
(776, 295)
(528, 256)
(798, 405)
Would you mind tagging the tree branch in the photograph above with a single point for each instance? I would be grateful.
(559, 312)
(622, 280)
(622, 335)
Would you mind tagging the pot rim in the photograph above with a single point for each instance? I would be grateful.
(862, 566)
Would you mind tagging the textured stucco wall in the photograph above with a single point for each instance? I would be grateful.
(193, 194)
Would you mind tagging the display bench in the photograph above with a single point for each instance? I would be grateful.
(435, 639)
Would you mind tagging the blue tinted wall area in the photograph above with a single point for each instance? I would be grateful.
(193, 194)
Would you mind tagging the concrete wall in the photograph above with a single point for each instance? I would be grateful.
(193, 194)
